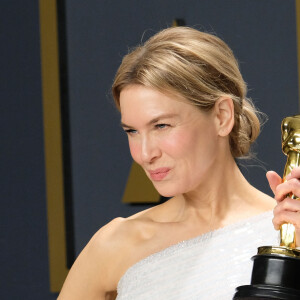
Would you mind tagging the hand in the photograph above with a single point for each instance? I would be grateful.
(287, 210)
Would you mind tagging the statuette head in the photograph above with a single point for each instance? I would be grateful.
(290, 130)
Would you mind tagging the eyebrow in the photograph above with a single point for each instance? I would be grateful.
(154, 120)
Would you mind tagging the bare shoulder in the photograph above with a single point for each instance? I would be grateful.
(122, 233)
(90, 276)
(106, 257)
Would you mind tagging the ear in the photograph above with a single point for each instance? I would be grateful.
(224, 110)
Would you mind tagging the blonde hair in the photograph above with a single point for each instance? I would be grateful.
(198, 66)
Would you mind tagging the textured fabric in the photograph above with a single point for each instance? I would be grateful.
(209, 266)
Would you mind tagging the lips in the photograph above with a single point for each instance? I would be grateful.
(159, 174)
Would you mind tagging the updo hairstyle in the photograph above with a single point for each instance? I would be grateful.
(197, 66)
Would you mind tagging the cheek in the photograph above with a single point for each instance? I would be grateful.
(192, 150)
(178, 143)
(134, 151)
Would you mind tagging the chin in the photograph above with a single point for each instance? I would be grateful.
(166, 190)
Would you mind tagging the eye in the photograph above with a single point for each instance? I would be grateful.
(161, 126)
(130, 131)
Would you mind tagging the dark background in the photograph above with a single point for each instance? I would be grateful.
(262, 34)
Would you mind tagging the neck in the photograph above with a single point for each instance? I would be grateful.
(223, 192)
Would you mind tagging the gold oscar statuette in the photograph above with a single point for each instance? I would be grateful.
(276, 269)
(290, 138)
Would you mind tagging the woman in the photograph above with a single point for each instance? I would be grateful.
(184, 108)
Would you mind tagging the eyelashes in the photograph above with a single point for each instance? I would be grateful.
(162, 126)
(159, 126)
(130, 131)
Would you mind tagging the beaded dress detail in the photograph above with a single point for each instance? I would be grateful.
(208, 267)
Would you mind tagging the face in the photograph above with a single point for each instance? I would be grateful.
(174, 142)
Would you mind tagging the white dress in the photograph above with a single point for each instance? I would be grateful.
(209, 266)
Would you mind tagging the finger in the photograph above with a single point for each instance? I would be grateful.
(289, 186)
(286, 217)
(282, 212)
(287, 204)
(295, 173)
(274, 180)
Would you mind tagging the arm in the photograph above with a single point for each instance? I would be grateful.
(287, 210)
(95, 273)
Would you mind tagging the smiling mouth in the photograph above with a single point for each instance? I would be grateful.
(159, 174)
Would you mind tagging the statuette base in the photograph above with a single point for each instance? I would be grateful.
(275, 275)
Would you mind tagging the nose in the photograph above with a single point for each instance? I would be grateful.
(150, 150)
